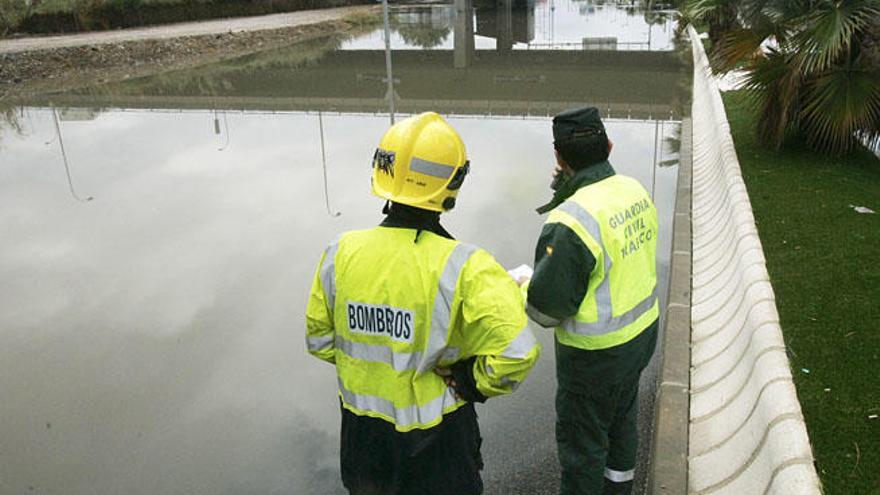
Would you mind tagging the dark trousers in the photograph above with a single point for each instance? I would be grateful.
(596, 413)
(443, 460)
(597, 439)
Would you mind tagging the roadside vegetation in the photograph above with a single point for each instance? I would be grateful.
(822, 257)
(60, 16)
(812, 67)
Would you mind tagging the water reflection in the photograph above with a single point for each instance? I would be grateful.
(225, 128)
(534, 24)
(152, 342)
(324, 161)
(65, 160)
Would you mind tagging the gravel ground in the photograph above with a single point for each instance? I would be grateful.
(41, 64)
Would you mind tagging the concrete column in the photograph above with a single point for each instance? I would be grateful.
(504, 35)
(463, 39)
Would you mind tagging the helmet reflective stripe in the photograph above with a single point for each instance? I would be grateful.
(431, 168)
(403, 417)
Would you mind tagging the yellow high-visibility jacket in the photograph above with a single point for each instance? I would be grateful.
(387, 311)
(616, 221)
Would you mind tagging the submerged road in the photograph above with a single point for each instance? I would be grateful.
(519, 442)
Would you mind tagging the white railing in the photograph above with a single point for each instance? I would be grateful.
(747, 434)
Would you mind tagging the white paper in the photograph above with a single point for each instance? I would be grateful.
(521, 271)
(861, 209)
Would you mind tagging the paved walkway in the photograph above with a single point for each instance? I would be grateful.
(259, 23)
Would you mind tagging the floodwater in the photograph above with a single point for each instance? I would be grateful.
(160, 236)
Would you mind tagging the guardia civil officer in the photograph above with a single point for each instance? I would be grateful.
(419, 325)
(595, 281)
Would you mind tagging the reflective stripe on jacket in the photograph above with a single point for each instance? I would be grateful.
(388, 311)
(617, 222)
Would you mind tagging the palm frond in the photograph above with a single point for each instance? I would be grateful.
(839, 106)
(735, 47)
(826, 34)
(773, 84)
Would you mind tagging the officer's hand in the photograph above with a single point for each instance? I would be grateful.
(520, 281)
(446, 375)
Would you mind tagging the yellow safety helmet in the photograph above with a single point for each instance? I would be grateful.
(420, 162)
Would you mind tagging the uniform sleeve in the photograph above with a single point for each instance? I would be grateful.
(563, 264)
(494, 328)
(320, 334)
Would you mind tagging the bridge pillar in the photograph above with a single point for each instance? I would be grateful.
(504, 35)
(463, 39)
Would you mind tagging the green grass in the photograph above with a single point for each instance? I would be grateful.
(52, 6)
(824, 264)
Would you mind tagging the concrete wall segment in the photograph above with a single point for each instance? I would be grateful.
(746, 432)
(757, 319)
(668, 469)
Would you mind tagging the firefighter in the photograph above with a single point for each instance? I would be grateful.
(419, 326)
(595, 282)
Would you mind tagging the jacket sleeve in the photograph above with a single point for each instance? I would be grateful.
(320, 334)
(563, 264)
(493, 328)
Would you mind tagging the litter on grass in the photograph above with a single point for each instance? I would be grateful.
(862, 209)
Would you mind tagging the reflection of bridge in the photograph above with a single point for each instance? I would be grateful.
(624, 84)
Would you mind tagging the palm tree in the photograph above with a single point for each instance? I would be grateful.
(719, 16)
(812, 67)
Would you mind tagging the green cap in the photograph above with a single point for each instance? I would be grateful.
(576, 123)
(579, 137)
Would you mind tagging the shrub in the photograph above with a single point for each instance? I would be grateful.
(13, 12)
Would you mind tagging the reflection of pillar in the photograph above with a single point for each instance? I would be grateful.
(389, 73)
(504, 35)
(64, 158)
(463, 40)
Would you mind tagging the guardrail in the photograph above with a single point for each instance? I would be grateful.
(747, 434)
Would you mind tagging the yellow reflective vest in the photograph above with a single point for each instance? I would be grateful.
(388, 311)
(617, 221)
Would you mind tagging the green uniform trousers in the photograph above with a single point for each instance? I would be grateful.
(596, 411)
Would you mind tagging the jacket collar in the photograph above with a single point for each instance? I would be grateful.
(583, 177)
(404, 216)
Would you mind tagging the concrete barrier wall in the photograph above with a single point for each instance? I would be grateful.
(747, 434)
(667, 474)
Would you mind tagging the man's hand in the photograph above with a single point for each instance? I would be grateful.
(521, 280)
(446, 375)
